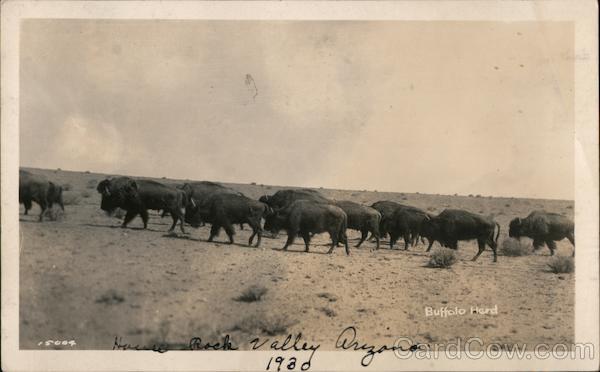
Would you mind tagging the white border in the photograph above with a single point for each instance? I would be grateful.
(583, 13)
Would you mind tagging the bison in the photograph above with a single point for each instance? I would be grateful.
(284, 198)
(387, 209)
(36, 188)
(200, 191)
(453, 225)
(362, 218)
(304, 217)
(543, 227)
(223, 210)
(406, 223)
(137, 196)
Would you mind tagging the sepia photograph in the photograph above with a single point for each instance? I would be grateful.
(387, 187)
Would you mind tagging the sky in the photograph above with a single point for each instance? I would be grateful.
(407, 106)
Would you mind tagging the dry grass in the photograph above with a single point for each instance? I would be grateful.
(562, 265)
(71, 198)
(252, 294)
(54, 214)
(514, 248)
(442, 258)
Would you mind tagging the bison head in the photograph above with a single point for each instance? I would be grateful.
(116, 193)
(264, 199)
(275, 220)
(430, 228)
(197, 212)
(515, 228)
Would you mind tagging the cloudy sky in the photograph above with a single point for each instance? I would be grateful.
(435, 107)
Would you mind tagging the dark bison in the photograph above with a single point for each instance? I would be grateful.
(36, 188)
(362, 218)
(543, 227)
(202, 190)
(306, 217)
(406, 223)
(387, 209)
(224, 210)
(453, 225)
(199, 192)
(284, 198)
(137, 196)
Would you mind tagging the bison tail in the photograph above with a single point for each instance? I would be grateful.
(343, 226)
(498, 233)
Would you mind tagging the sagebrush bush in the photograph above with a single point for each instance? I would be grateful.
(442, 258)
(86, 194)
(513, 247)
(67, 187)
(71, 198)
(54, 213)
(252, 294)
(562, 265)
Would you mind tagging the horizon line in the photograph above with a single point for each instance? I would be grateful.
(470, 195)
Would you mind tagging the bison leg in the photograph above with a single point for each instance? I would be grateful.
(256, 230)
(251, 238)
(407, 241)
(551, 245)
(181, 219)
(230, 232)
(177, 217)
(335, 238)
(214, 231)
(537, 244)
(28, 206)
(393, 239)
(414, 239)
(493, 245)
(145, 217)
(431, 241)
(259, 236)
(130, 215)
(363, 236)
(345, 238)
(481, 244)
(290, 240)
(306, 237)
(43, 206)
(174, 223)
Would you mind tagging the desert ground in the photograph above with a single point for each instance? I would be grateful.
(83, 278)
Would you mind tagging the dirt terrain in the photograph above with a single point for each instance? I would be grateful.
(83, 278)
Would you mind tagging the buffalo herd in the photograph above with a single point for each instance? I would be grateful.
(300, 212)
